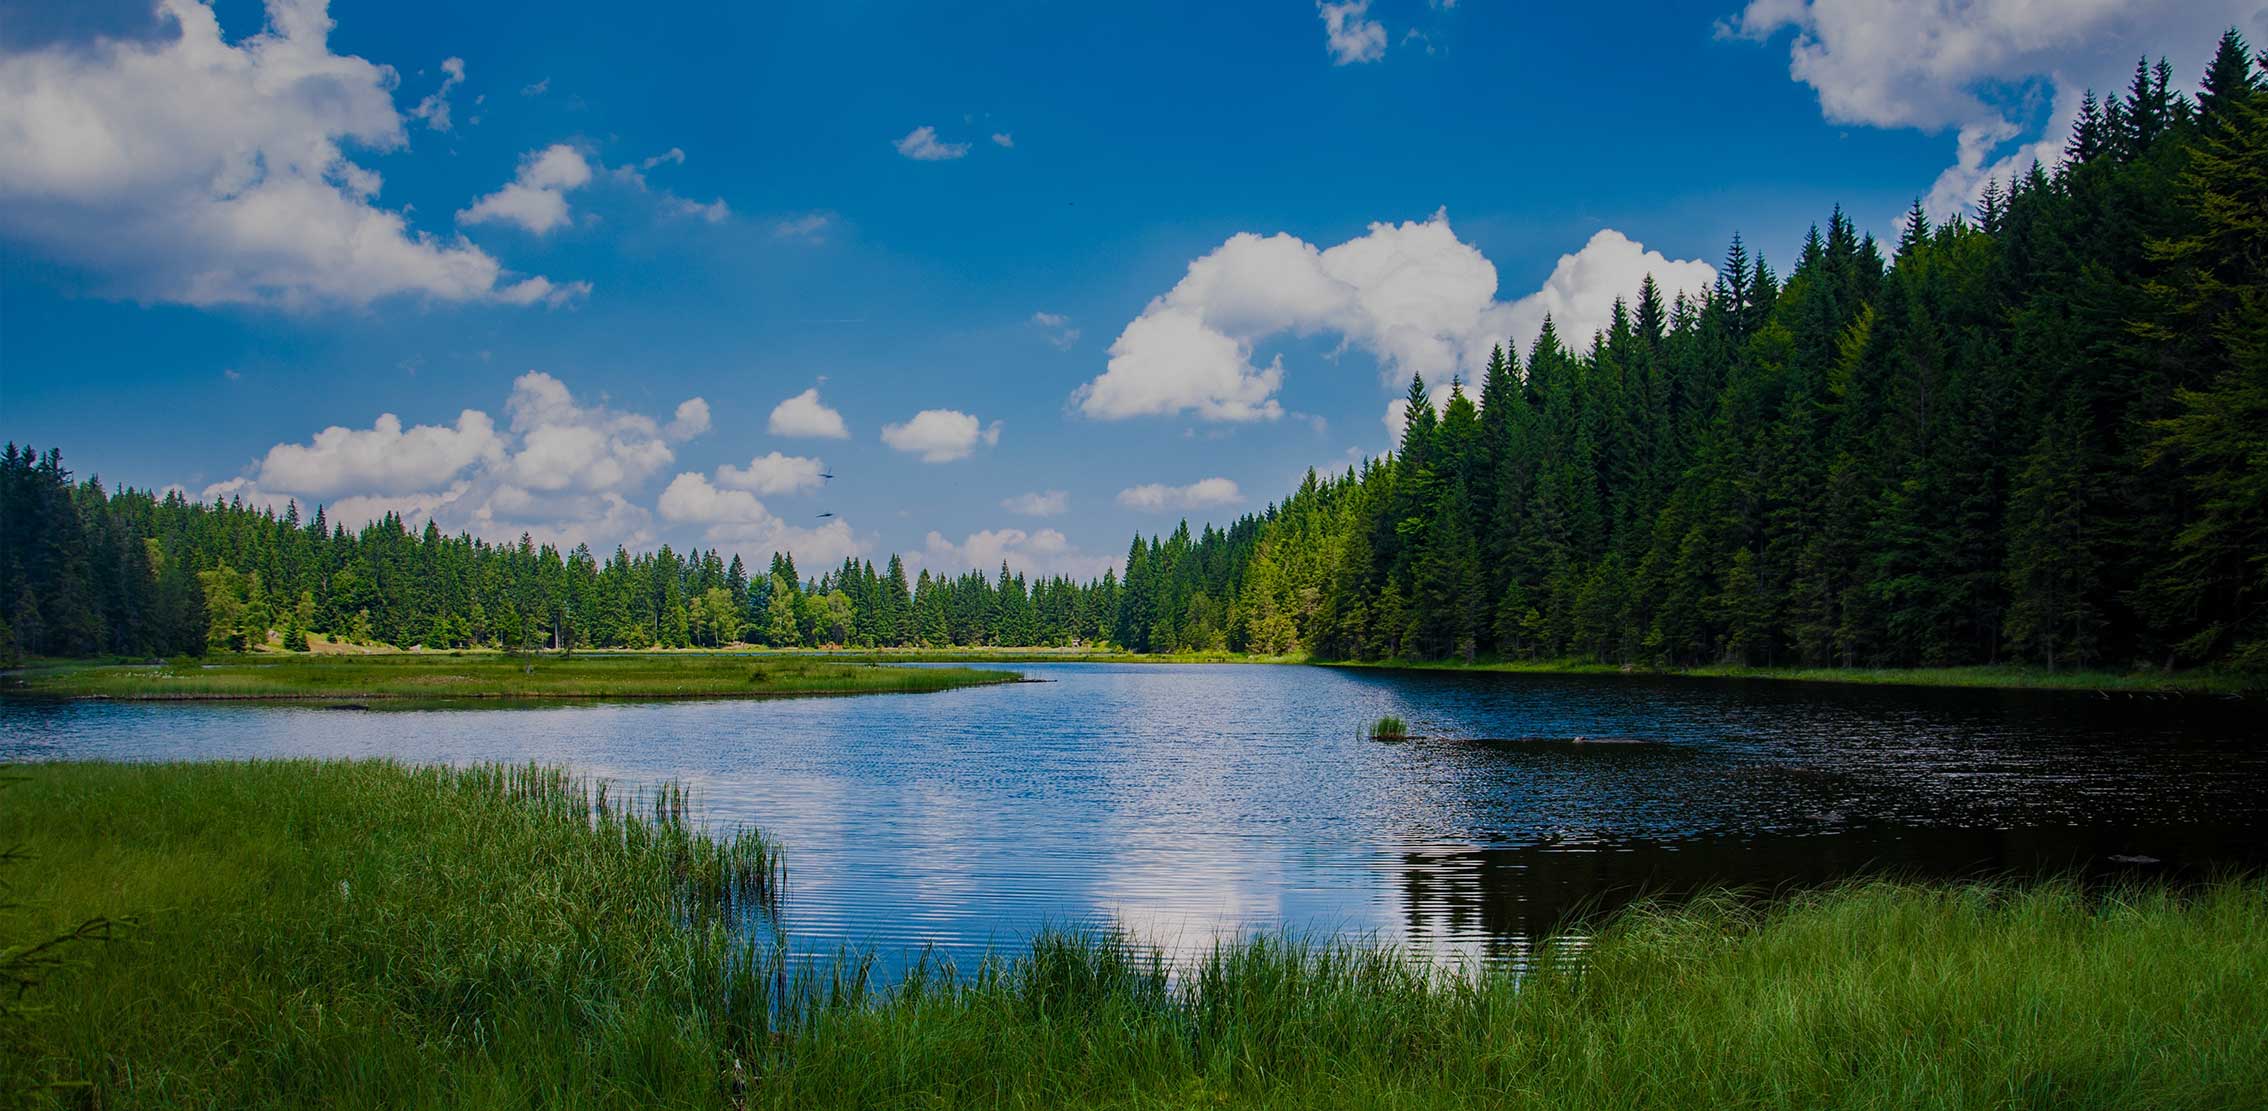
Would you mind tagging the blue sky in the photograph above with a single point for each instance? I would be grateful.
(740, 191)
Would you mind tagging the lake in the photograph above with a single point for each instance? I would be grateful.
(1190, 802)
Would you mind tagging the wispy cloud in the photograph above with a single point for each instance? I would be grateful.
(1058, 328)
(1038, 503)
(811, 227)
(922, 145)
(1205, 493)
(434, 109)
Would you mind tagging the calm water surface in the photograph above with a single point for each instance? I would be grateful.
(1192, 802)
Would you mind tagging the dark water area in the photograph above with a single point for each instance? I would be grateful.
(1189, 803)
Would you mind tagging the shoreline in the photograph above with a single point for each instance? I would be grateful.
(489, 678)
(1968, 677)
(690, 663)
(1964, 677)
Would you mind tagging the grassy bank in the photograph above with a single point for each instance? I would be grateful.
(1999, 677)
(485, 675)
(364, 935)
(1062, 655)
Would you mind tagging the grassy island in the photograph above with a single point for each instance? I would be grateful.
(485, 675)
(357, 934)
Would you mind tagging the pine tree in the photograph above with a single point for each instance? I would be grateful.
(2054, 565)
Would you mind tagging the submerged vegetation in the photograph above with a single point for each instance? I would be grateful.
(366, 935)
(436, 677)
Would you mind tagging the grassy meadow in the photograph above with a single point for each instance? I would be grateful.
(447, 676)
(363, 934)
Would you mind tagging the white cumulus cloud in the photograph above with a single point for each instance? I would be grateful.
(690, 420)
(1350, 32)
(535, 199)
(1977, 67)
(1205, 493)
(1411, 294)
(737, 518)
(566, 445)
(382, 459)
(806, 416)
(1580, 293)
(201, 171)
(922, 145)
(690, 498)
(559, 469)
(774, 474)
(940, 435)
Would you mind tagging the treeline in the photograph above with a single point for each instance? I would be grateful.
(90, 572)
(2038, 435)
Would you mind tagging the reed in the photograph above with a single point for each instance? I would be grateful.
(1866, 996)
(364, 934)
(1390, 728)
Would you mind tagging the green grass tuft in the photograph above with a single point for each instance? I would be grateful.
(1390, 728)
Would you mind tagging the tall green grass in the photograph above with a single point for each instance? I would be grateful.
(1390, 728)
(1870, 996)
(442, 677)
(370, 935)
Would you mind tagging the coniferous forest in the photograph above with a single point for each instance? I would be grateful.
(2037, 435)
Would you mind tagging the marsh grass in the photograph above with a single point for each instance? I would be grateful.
(1390, 728)
(444, 677)
(371, 935)
(1879, 995)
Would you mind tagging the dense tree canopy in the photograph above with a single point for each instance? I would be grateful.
(93, 572)
(2037, 435)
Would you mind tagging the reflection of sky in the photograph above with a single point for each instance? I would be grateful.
(1192, 804)
(1182, 897)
